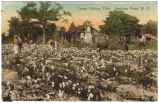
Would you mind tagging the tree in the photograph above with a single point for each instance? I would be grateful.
(88, 23)
(62, 30)
(120, 24)
(4, 38)
(150, 27)
(27, 30)
(43, 15)
(51, 28)
(72, 26)
(14, 25)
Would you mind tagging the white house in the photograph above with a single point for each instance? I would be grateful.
(86, 34)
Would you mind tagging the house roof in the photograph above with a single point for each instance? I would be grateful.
(149, 36)
(78, 28)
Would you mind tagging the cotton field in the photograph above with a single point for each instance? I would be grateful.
(78, 74)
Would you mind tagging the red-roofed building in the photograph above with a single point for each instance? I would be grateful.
(144, 37)
(86, 34)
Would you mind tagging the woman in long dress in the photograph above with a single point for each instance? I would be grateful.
(17, 41)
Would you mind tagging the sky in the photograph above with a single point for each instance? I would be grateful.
(81, 11)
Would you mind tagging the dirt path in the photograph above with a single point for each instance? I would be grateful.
(9, 75)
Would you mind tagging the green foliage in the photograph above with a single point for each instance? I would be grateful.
(88, 23)
(150, 27)
(32, 17)
(120, 23)
(151, 45)
(146, 81)
(56, 35)
(24, 28)
(62, 30)
(77, 44)
(51, 28)
(80, 44)
(72, 26)
(134, 46)
(141, 77)
(14, 25)
(114, 47)
(110, 88)
(5, 39)
(68, 90)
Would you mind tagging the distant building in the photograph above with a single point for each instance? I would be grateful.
(86, 34)
(144, 37)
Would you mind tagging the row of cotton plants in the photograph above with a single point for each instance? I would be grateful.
(74, 74)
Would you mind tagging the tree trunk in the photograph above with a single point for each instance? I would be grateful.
(43, 34)
(44, 24)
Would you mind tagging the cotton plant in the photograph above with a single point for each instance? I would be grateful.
(86, 64)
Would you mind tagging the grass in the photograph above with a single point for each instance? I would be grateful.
(140, 77)
(151, 45)
(148, 45)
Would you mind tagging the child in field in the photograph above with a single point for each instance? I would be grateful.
(51, 44)
(32, 45)
(125, 47)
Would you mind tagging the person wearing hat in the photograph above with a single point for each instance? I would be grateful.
(17, 44)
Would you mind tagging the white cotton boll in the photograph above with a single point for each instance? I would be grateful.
(81, 70)
(65, 77)
(47, 96)
(35, 81)
(34, 66)
(60, 85)
(116, 74)
(38, 79)
(28, 77)
(90, 96)
(43, 68)
(114, 69)
(86, 74)
(74, 85)
(52, 67)
(7, 62)
(60, 93)
(52, 84)
(126, 70)
(66, 83)
(63, 84)
(89, 87)
(77, 83)
(79, 92)
(70, 81)
(73, 88)
(18, 65)
(8, 82)
(92, 87)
